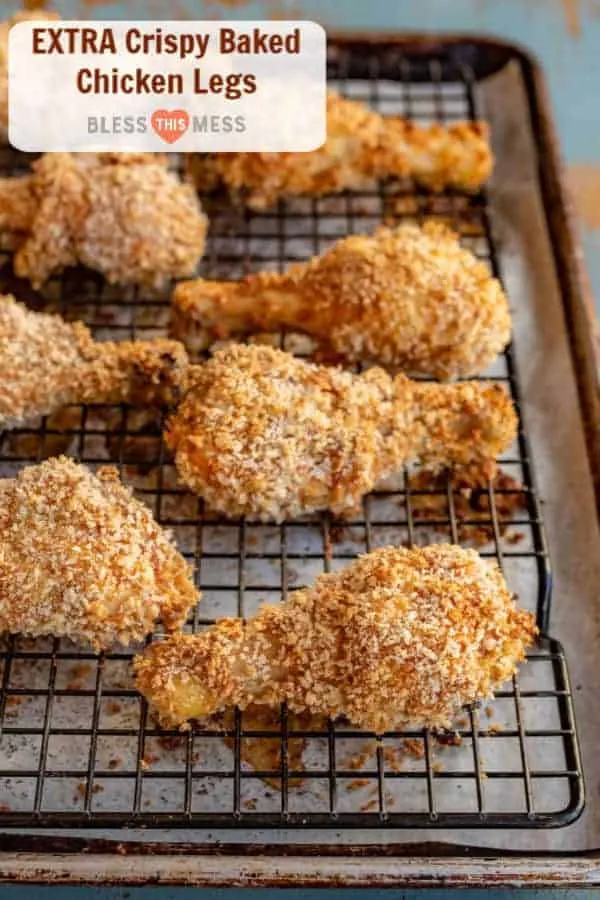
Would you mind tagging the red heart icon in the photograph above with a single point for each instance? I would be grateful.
(170, 124)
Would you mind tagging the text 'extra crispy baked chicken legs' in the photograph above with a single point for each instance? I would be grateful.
(361, 146)
(400, 638)
(47, 363)
(123, 214)
(407, 296)
(264, 435)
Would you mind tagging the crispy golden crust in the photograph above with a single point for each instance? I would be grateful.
(407, 296)
(264, 435)
(81, 558)
(128, 218)
(21, 16)
(400, 638)
(46, 363)
(17, 206)
(111, 157)
(361, 146)
(19, 197)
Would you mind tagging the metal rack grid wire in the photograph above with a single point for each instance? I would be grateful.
(78, 746)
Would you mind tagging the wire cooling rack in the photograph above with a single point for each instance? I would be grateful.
(78, 745)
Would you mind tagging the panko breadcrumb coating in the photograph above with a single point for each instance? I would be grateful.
(407, 296)
(17, 209)
(264, 435)
(21, 16)
(126, 217)
(400, 638)
(19, 202)
(47, 363)
(361, 146)
(81, 558)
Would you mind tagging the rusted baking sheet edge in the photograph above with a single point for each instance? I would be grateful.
(213, 870)
(50, 859)
(576, 293)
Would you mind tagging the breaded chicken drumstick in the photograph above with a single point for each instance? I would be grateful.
(361, 146)
(81, 558)
(122, 215)
(21, 16)
(267, 436)
(47, 363)
(407, 296)
(400, 638)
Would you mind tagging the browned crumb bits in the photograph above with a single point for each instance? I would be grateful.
(471, 503)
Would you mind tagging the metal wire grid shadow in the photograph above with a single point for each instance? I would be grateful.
(78, 746)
